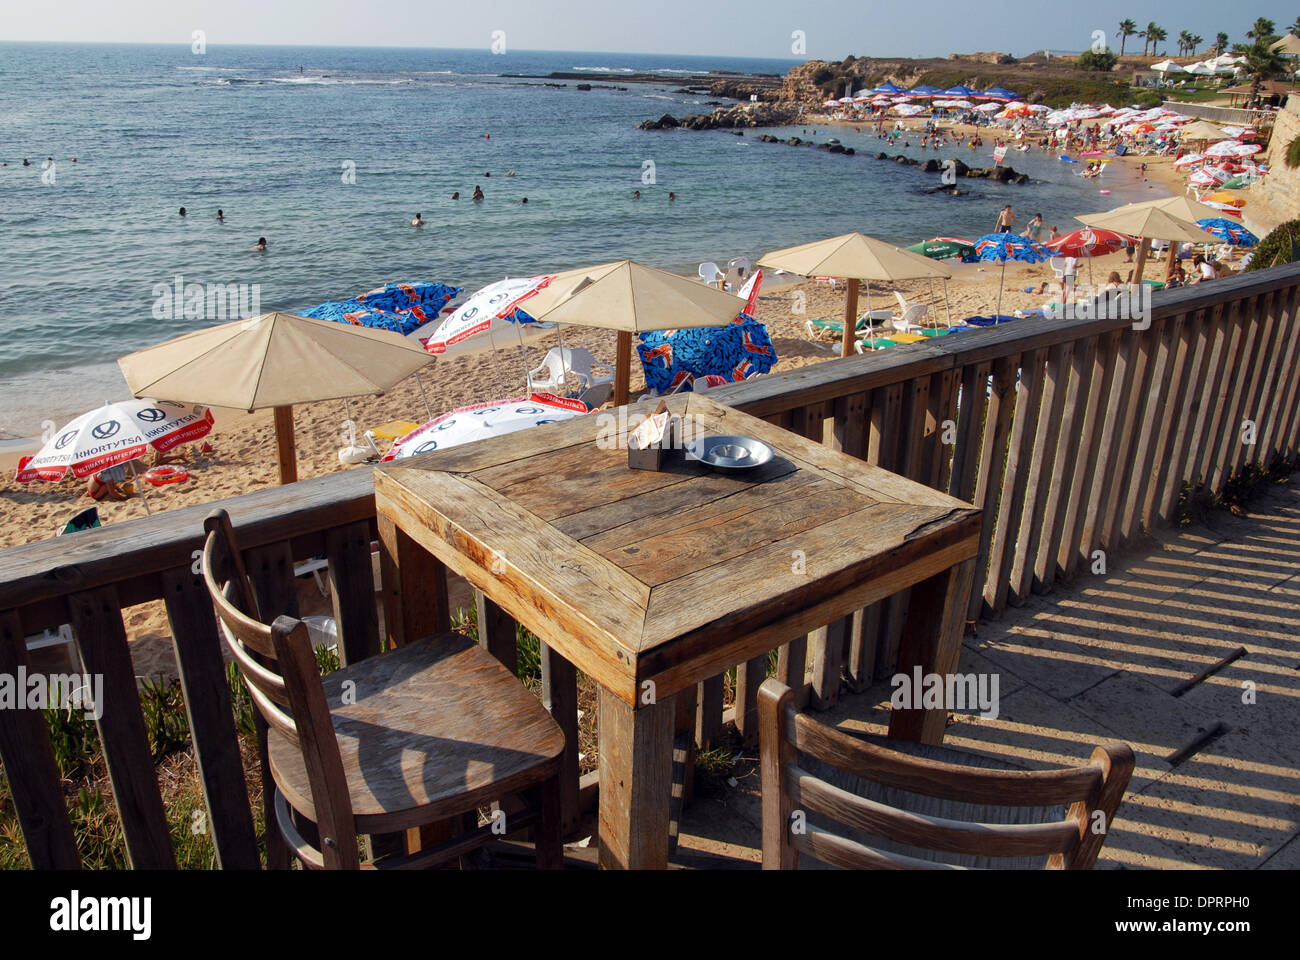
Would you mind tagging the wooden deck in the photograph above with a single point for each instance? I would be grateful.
(1122, 656)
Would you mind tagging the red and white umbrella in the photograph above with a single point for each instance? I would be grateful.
(1233, 148)
(1188, 159)
(115, 433)
(486, 313)
(481, 420)
(1089, 242)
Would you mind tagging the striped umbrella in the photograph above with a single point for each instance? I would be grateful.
(1229, 232)
(1009, 246)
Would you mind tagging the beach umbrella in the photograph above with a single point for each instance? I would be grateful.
(114, 434)
(1187, 159)
(857, 258)
(1167, 67)
(831, 103)
(398, 307)
(1089, 243)
(907, 109)
(1222, 196)
(482, 420)
(997, 93)
(1228, 231)
(958, 91)
(1009, 246)
(1233, 148)
(944, 248)
(988, 108)
(925, 90)
(1227, 208)
(1203, 130)
(1182, 206)
(890, 88)
(1290, 45)
(275, 360)
(732, 353)
(489, 315)
(962, 104)
(1148, 222)
(630, 298)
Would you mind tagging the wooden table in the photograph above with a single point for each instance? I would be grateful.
(651, 582)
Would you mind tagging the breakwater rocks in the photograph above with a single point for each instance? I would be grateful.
(728, 118)
(932, 165)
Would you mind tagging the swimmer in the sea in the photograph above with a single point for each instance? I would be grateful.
(478, 193)
(182, 211)
(417, 222)
(672, 196)
(220, 216)
(261, 244)
(524, 200)
(636, 194)
(456, 195)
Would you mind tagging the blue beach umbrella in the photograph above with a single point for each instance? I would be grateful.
(672, 359)
(958, 91)
(1009, 246)
(1228, 231)
(889, 88)
(997, 93)
(925, 90)
(399, 307)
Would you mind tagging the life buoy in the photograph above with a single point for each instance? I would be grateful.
(161, 476)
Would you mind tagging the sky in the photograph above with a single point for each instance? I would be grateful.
(831, 29)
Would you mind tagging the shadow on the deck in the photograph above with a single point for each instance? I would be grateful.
(1119, 656)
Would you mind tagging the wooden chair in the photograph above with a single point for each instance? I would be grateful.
(420, 735)
(1081, 800)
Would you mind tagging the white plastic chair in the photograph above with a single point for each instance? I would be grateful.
(566, 368)
(912, 320)
(710, 273)
(1058, 267)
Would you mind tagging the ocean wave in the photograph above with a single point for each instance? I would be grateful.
(605, 69)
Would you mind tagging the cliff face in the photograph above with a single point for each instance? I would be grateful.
(1277, 199)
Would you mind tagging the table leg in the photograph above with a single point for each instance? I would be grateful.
(414, 587)
(636, 763)
(936, 620)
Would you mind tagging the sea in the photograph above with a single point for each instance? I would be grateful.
(328, 153)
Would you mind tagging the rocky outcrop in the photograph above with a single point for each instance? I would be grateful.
(992, 57)
(729, 118)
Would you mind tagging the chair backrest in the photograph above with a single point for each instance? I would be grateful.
(740, 265)
(915, 313)
(710, 272)
(278, 664)
(792, 797)
(902, 301)
(1058, 266)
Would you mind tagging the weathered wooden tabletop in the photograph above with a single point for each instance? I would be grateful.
(672, 576)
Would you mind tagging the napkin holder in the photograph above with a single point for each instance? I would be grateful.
(646, 446)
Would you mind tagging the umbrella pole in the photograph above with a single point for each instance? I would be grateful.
(622, 368)
(851, 317)
(284, 445)
(1002, 283)
(1169, 266)
(420, 383)
(1141, 260)
(140, 485)
(947, 305)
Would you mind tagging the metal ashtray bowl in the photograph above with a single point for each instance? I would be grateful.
(730, 453)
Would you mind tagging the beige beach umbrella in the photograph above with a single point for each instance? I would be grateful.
(1147, 222)
(855, 257)
(1183, 207)
(630, 298)
(274, 360)
(1202, 130)
(1289, 45)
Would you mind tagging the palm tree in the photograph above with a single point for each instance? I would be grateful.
(1294, 29)
(1127, 28)
(1184, 41)
(1193, 42)
(1148, 36)
(1263, 63)
(1158, 37)
(1220, 44)
(1262, 30)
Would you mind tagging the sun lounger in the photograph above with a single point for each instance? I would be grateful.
(865, 322)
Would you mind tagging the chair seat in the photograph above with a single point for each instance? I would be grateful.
(435, 728)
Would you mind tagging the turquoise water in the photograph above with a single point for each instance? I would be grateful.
(154, 128)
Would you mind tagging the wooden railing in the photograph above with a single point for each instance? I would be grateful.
(1073, 436)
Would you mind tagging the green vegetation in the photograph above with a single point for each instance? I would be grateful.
(1293, 153)
(1127, 28)
(1103, 61)
(1281, 244)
